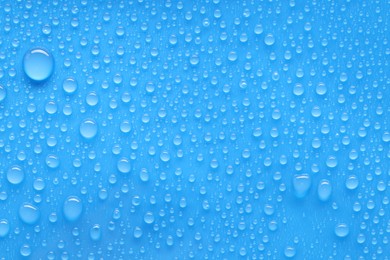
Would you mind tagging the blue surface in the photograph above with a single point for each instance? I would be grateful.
(206, 130)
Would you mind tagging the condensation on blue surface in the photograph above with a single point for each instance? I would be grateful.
(194, 129)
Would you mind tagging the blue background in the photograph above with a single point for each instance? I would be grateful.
(231, 114)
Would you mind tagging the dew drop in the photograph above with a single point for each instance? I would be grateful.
(301, 184)
(123, 165)
(72, 208)
(341, 230)
(324, 190)
(95, 233)
(38, 64)
(69, 85)
(4, 228)
(29, 213)
(352, 182)
(15, 175)
(3, 93)
(269, 39)
(88, 128)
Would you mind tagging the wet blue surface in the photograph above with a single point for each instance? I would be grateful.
(205, 130)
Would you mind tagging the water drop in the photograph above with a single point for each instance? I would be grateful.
(69, 85)
(3, 93)
(88, 128)
(95, 233)
(29, 213)
(352, 182)
(38, 64)
(324, 190)
(15, 175)
(123, 165)
(4, 228)
(72, 208)
(269, 39)
(341, 230)
(301, 184)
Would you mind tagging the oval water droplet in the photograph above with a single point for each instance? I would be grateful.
(29, 213)
(38, 64)
(72, 208)
(324, 190)
(341, 230)
(15, 175)
(3, 93)
(69, 85)
(4, 228)
(301, 184)
(95, 233)
(88, 128)
(123, 165)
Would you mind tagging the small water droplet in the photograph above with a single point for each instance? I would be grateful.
(324, 190)
(4, 228)
(3, 93)
(15, 175)
(72, 208)
(38, 64)
(301, 183)
(29, 213)
(88, 128)
(341, 230)
(69, 85)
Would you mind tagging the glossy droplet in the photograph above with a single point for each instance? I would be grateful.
(123, 165)
(341, 230)
(4, 228)
(269, 39)
(38, 64)
(29, 213)
(352, 182)
(69, 85)
(15, 175)
(149, 218)
(289, 252)
(72, 208)
(301, 184)
(95, 233)
(324, 190)
(3, 93)
(88, 128)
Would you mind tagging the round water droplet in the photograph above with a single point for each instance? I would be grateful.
(123, 165)
(289, 252)
(3, 93)
(301, 184)
(15, 175)
(73, 208)
(331, 162)
(25, 250)
(69, 85)
(29, 213)
(324, 190)
(95, 233)
(52, 161)
(38, 64)
(352, 182)
(341, 230)
(321, 89)
(269, 39)
(149, 218)
(4, 228)
(88, 128)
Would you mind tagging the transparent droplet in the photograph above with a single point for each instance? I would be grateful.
(88, 128)
(149, 218)
(289, 252)
(95, 233)
(123, 165)
(269, 39)
(69, 85)
(3, 93)
(72, 208)
(341, 230)
(15, 175)
(52, 161)
(4, 228)
(301, 184)
(29, 213)
(324, 190)
(38, 64)
(352, 182)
